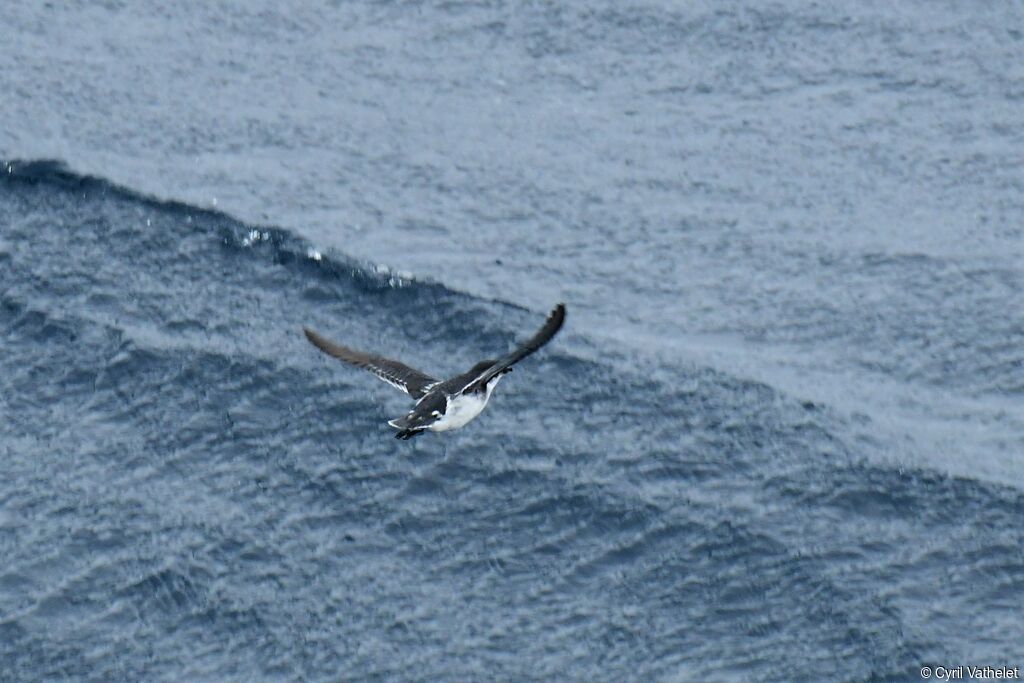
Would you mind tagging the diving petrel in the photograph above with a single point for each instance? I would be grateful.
(441, 405)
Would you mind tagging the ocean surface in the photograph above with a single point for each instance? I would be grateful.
(781, 437)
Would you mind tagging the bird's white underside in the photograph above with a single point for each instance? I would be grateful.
(462, 408)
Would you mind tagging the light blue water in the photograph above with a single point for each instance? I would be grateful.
(781, 437)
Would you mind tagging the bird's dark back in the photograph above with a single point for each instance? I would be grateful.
(456, 384)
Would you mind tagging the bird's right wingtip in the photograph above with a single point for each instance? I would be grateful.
(314, 338)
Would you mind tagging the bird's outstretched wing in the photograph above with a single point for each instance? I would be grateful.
(551, 326)
(412, 382)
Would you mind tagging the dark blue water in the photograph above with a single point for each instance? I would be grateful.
(780, 439)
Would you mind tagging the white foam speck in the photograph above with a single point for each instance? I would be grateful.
(252, 237)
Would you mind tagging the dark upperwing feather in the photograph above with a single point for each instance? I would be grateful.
(412, 382)
(543, 336)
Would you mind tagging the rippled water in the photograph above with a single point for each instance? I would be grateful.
(781, 437)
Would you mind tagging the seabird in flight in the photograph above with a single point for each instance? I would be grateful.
(441, 404)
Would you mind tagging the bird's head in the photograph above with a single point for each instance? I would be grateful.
(414, 419)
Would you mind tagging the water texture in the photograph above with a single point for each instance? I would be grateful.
(780, 439)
